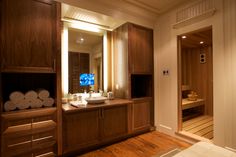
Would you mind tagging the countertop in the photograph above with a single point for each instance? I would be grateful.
(67, 108)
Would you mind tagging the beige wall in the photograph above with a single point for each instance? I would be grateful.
(224, 74)
(224, 64)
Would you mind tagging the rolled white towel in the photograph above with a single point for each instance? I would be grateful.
(9, 106)
(23, 104)
(48, 102)
(36, 103)
(43, 94)
(16, 96)
(30, 95)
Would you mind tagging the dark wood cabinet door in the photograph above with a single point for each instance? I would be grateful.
(140, 49)
(80, 130)
(114, 122)
(29, 40)
(141, 115)
(78, 64)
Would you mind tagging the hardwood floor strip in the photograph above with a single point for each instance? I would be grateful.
(191, 121)
(205, 131)
(198, 123)
(200, 127)
(145, 145)
(209, 135)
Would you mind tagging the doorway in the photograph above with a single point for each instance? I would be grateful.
(196, 83)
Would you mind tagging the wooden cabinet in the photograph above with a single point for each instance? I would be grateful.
(133, 72)
(80, 129)
(133, 49)
(114, 122)
(30, 60)
(90, 127)
(29, 133)
(140, 49)
(141, 115)
(29, 36)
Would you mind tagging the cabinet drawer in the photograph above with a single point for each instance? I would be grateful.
(26, 133)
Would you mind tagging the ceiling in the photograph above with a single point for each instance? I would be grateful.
(89, 39)
(71, 13)
(114, 12)
(193, 39)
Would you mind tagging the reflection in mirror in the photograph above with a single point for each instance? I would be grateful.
(85, 57)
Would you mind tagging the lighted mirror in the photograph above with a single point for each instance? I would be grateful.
(85, 61)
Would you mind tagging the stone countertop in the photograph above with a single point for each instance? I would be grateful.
(67, 108)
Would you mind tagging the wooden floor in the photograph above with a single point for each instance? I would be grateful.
(201, 126)
(145, 145)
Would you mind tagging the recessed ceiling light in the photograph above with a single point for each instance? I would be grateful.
(183, 37)
(201, 42)
(80, 40)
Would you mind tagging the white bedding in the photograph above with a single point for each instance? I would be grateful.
(204, 149)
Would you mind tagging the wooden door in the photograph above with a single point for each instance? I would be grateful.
(29, 39)
(81, 129)
(114, 122)
(140, 49)
(141, 115)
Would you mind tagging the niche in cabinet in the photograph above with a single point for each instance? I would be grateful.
(24, 82)
(141, 86)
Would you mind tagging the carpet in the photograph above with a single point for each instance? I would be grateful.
(169, 153)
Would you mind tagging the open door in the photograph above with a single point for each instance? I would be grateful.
(195, 67)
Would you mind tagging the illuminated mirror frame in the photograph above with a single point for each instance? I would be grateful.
(64, 54)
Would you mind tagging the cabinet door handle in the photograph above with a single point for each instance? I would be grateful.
(54, 65)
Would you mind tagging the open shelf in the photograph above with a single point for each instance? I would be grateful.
(141, 86)
(24, 82)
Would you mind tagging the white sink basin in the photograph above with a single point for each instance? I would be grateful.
(96, 100)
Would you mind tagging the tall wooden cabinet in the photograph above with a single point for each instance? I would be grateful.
(140, 49)
(29, 36)
(133, 72)
(30, 60)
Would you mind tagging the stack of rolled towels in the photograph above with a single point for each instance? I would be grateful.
(31, 99)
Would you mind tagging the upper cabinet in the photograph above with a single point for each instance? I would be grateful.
(140, 47)
(133, 61)
(29, 39)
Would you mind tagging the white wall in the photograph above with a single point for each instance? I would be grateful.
(224, 75)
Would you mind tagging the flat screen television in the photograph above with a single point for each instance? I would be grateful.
(86, 79)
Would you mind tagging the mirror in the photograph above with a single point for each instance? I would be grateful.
(85, 61)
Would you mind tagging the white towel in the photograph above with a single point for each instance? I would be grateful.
(36, 103)
(16, 96)
(43, 94)
(48, 102)
(9, 106)
(23, 104)
(30, 95)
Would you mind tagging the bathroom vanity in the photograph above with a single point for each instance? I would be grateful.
(95, 124)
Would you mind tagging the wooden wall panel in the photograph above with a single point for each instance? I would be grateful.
(199, 76)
